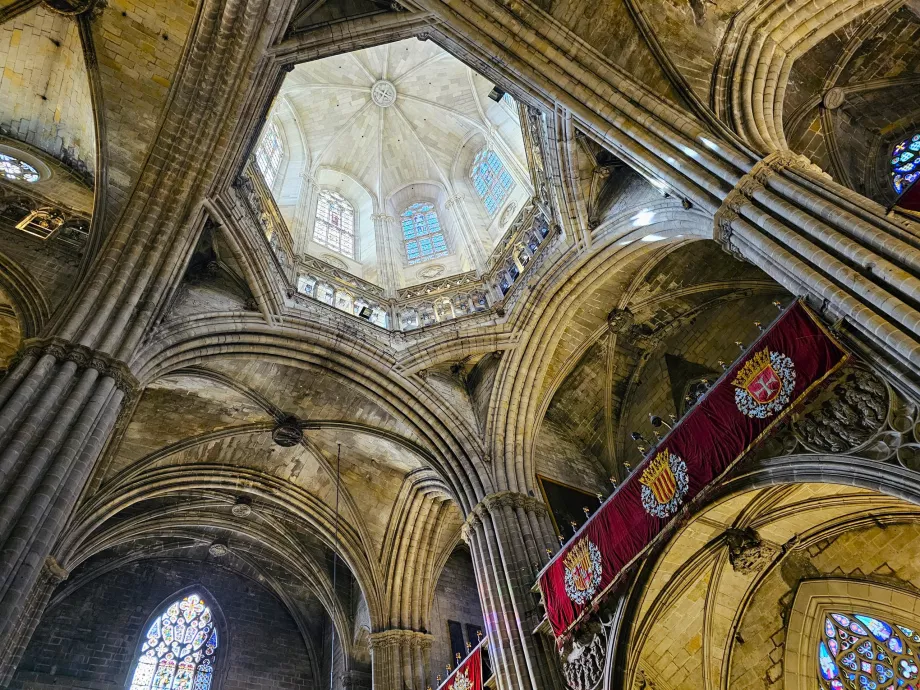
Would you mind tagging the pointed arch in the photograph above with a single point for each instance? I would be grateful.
(181, 644)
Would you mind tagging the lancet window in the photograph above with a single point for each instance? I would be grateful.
(270, 153)
(491, 179)
(905, 163)
(179, 650)
(335, 223)
(859, 652)
(422, 233)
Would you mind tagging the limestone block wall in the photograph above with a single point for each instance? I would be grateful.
(455, 599)
(89, 639)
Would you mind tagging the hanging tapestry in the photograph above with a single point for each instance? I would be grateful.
(762, 387)
(468, 675)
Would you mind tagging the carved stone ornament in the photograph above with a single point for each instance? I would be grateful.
(54, 572)
(218, 549)
(847, 416)
(747, 552)
(83, 357)
(287, 433)
(620, 320)
(834, 98)
(69, 7)
(584, 659)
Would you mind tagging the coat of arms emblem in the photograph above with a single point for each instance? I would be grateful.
(764, 385)
(664, 484)
(582, 571)
(462, 680)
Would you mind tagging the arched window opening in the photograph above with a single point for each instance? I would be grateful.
(16, 170)
(335, 223)
(905, 163)
(859, 652)
(270, 153)
(492, 181)
(180, 648)
(422, 234)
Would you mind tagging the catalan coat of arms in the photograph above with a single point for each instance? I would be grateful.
(462, 680)
(764, 385)
(664, 484)
(582, 571)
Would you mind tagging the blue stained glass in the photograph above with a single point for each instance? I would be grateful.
(905, 163)
(171, 657)
(881, 630)
(492, 181)
(826, 662)
(422, 233)
(862, 652)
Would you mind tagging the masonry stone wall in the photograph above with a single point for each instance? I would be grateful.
(455, 599)
(89, 639)
(885, 555)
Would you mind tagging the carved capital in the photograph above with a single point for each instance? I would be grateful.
(84, 358)
(747, 552)
(722, 225)
(395, 637)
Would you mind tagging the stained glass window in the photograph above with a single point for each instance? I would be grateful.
(859, 652)
(335, 223)
(905, 163)
(179, 650)
(270, 153)
(492, 181)
(19, 171)
(422, 233)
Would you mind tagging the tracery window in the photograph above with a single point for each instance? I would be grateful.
(492, 181)
(905, 163)
(335, 223)
(17, 170)
(179, 650)
(270, 153)
(859, 652)
(422, 233)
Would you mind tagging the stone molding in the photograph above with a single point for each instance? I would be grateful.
(396, 637)
(501, 499)
(84, 357)
(753, 182)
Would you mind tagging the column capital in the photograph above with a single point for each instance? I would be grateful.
(453, 200)
(54, 571)
(382, 217)
(84, 357)
(501, 499)
(397, 637)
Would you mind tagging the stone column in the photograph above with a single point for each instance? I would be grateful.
(387, 267)
(304, 214)
(509, 534)
(398, 659)
(812, 235)
(60, 400)
(467, 233)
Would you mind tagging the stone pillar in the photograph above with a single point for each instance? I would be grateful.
(304, 214)
(386, 254)
(467, 233)
(399, 659)
(509, 534)
(60, 400)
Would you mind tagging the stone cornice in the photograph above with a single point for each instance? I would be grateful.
(84, 357)
(396, 637)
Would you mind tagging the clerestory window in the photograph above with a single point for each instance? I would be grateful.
(491, 179)
(270, 153)
(422, 234)
(335, 223)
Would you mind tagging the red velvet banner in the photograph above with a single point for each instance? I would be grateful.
(792, 357)
(468, 675)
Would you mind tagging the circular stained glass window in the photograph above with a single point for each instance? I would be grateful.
(905, 163)
(19, 171)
